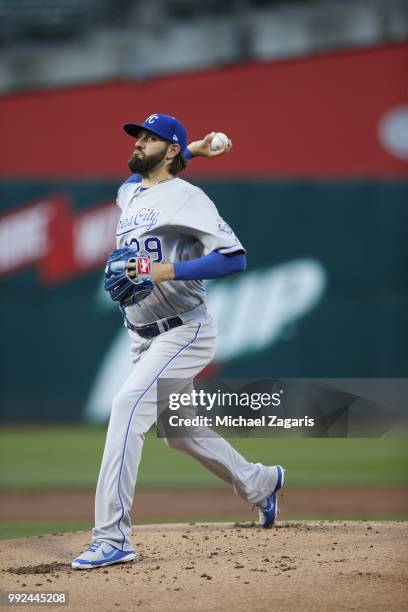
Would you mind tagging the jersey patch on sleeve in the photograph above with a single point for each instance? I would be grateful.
(223, 227)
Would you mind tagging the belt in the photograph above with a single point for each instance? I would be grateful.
(154, 329)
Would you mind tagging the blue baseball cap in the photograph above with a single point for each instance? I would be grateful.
(164, 126)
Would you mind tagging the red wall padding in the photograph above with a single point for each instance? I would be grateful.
(309, 117)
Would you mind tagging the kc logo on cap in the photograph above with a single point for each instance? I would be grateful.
(167, 127)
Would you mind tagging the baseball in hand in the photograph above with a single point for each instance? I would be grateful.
(219, 140)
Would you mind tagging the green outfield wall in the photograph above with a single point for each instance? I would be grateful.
(325, 294)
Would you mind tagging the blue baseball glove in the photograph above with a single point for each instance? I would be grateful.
(121, 286)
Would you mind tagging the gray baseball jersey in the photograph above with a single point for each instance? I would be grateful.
(173, 221)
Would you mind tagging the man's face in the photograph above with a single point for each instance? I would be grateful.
(150, 151)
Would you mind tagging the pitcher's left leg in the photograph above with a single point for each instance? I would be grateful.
(179, 353)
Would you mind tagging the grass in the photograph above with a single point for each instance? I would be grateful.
(62, 457)
(58, 457)
(25, 530)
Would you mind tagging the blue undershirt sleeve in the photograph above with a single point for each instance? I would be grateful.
(213, 265)
(187, 154)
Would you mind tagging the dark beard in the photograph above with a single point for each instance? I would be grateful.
(144, 165)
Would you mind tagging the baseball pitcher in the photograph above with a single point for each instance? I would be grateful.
(170, 237)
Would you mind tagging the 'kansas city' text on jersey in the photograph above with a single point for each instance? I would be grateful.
(173, 221)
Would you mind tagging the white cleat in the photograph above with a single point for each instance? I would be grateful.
(100, 554)
(268, 510)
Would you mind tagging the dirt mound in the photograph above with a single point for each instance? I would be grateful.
(316, 565)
